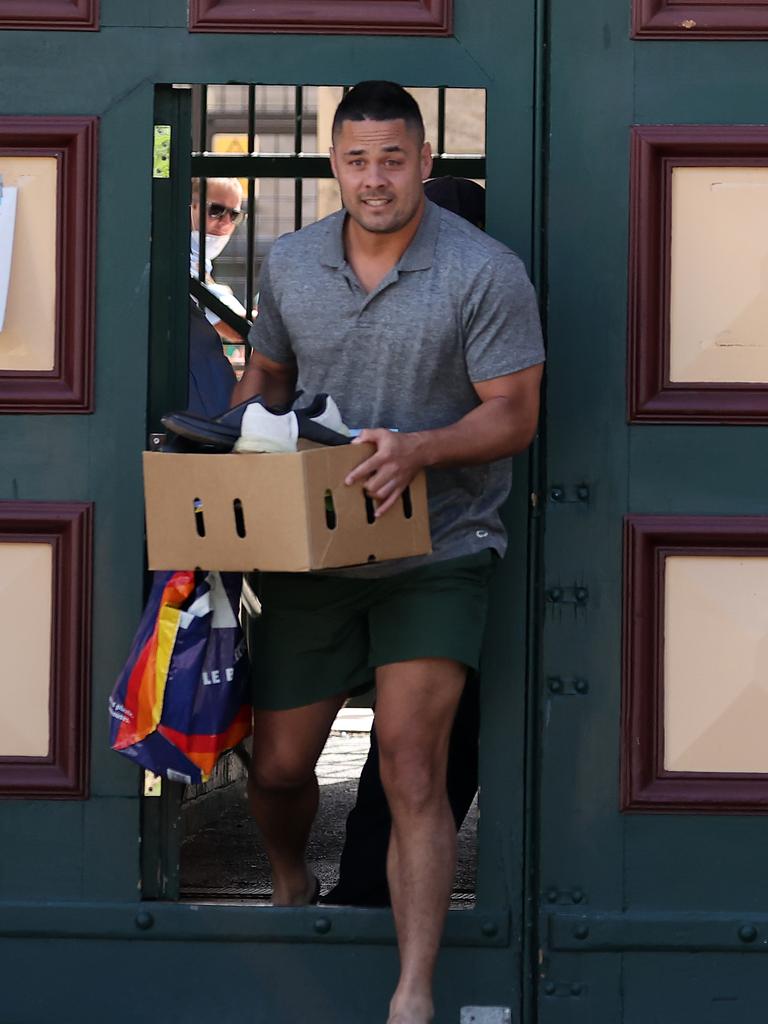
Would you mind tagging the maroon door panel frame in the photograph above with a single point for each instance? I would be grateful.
(73, 142)
(379, 17)
(656, 150)
(645, 784)
(693, 19)
(68, 528)
(82, 15)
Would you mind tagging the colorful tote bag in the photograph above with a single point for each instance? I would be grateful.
(182, 698)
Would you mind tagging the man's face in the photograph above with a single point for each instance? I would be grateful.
(380, 166)
(219, 194)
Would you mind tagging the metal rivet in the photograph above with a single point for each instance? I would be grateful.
(577, 896)
(581, 594)
(557, 494)
(555, 594)
(552, 895)
(556, 684)
(576, 988)
(747, 933)
(582, 492)
(550, 988)
(322, 926)
(489, 929)
(581, 686)
(144, 920)
(581, 931)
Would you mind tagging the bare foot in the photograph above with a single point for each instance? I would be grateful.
(287, 895)
(409, 1018)
(413, 1011)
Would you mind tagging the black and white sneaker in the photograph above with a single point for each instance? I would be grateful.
(263, 431)
(219, 433)
(321, 422)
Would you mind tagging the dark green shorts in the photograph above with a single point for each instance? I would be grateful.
(319, 635)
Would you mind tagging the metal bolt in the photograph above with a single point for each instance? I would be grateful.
(489, 929)
(577, 896)
(582, 594)
(550, 988)
(582, 492)
(552, 895)
(555, 594)
(581, 686)
(322, 926)
(581, 931)
(576, 988)
(144, 920)
(557, 494)
(556, 684)
(747, 933)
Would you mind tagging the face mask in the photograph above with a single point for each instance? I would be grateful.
(214, 245)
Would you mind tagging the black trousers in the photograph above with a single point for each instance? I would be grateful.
(363, 865)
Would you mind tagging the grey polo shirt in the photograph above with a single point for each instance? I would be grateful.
(458, 308)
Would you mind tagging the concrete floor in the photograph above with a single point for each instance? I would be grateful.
(225, 860)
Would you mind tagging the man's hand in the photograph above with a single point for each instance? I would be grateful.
(394, 464)
(503, 424)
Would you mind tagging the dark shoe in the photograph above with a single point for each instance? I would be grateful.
(220, 432)
(321, 422)
(339, 896)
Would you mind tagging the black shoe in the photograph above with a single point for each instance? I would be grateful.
(220, 432)
(341, 896)
(321, 422)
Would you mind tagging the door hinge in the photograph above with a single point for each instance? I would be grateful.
(161, 151)
(485, 1015)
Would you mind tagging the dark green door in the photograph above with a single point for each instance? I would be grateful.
(74, 872)
(652, 836)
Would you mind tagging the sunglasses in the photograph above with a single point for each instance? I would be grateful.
(218, 212)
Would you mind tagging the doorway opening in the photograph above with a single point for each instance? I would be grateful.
(273, 142)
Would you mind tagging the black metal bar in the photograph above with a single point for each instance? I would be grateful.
(202, 215)
(286, 166)
(298, 120)
(206, 298)
(250, 224)
(298, 202)
(298, 184)
(441, 120)
(202, 136)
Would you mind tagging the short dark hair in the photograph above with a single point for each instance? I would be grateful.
(379, 101)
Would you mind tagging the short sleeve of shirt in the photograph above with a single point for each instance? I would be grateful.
(268, 335)
(501, 321)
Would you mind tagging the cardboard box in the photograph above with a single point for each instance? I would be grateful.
(288, 512)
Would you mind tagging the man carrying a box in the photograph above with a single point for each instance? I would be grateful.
(426, 333)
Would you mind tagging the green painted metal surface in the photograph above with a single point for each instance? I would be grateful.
(89, 854)
(610, 883)
(564, 83)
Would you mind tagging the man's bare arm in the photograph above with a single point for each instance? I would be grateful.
(228, 333)
(275, 382)
(503, 424)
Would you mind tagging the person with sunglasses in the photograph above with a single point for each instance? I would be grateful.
(223, 204)
(211, 375)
